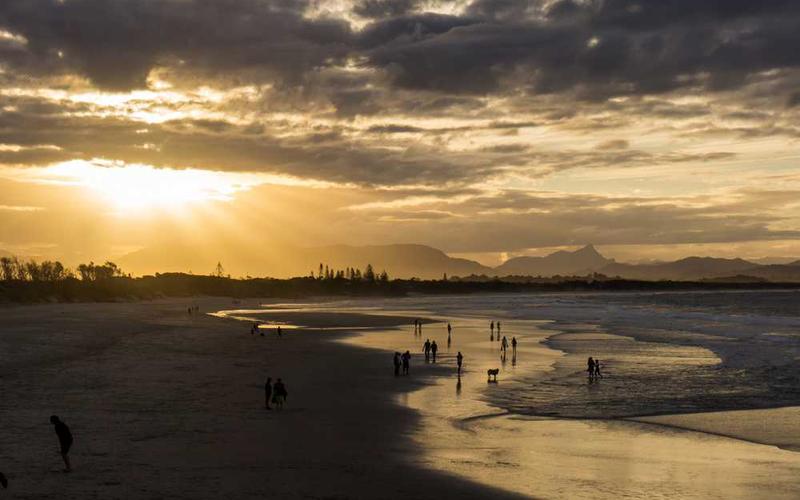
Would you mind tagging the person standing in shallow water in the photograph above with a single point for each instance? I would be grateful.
(597, 373)
(406, 362)
(459, 361)
(426, 348)
(498, 331)
(397, 364)
(504, 345)
(491, 330)
(513, 346)
(590, 368)
(267, 392)
(64, 440)
(434, 348)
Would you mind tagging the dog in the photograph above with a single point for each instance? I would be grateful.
(493, 374)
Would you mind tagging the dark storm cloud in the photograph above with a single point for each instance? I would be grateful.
(117, 43)
(594, 48)
(599, 49)
(384, 8)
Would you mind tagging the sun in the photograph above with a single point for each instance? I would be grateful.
(136, 188)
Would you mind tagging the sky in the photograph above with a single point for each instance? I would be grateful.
(489, 129)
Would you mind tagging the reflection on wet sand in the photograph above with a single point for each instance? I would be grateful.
(556, 458)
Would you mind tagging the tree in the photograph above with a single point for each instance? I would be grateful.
(384, 277)
(86, 271)
(369, 273)
(33, 270)
(219, 271)
(7, 268)
(107, 271)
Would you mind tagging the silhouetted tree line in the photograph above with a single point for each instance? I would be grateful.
(51, 281)
(326, 273)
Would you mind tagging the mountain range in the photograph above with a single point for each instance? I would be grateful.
(425, 262)
(408, 260)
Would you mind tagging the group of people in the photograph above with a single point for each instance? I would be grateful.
(594, 369)
(504, 345)
(403, 360)
(491, 330)
(276, 394)
(257, 328)
(418, 327)
(430, 349)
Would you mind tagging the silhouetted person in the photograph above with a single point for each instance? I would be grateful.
(434, 349)
(267, 392)
(514, 345)
(491, 329)
(498, 330)
(426, 348)
(590, 367)
(252, 329)
(397, 364)
(279, 394)
(406, 362)
(597, 373)
(64, 439)
(459, 360)
(504, 345)
(280, 333)
(449, 328)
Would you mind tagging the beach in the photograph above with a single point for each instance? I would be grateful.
(164, 403)
(167, 405)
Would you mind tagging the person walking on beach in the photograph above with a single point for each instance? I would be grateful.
(434, 348)
(279, 394)
(416, 325)
(449, 329)
(459, 361)
(267, 392)
(64, 439)
(406, 362)
(498, 331)
(597, 373)
(513, 346)
(504, 345)
(397, 364)
(491, 330)
(280, 334)
(426, 348)
(590, 368)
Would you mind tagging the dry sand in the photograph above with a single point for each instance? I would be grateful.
(167, 405)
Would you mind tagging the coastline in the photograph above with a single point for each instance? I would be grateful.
(167, 404)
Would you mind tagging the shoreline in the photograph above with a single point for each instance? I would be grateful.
(167, 404)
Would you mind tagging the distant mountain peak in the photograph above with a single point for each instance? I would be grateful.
(587, 250)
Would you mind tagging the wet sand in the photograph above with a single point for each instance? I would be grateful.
(167, 405)
(465, 431)
(164, 404)
(772, 426)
